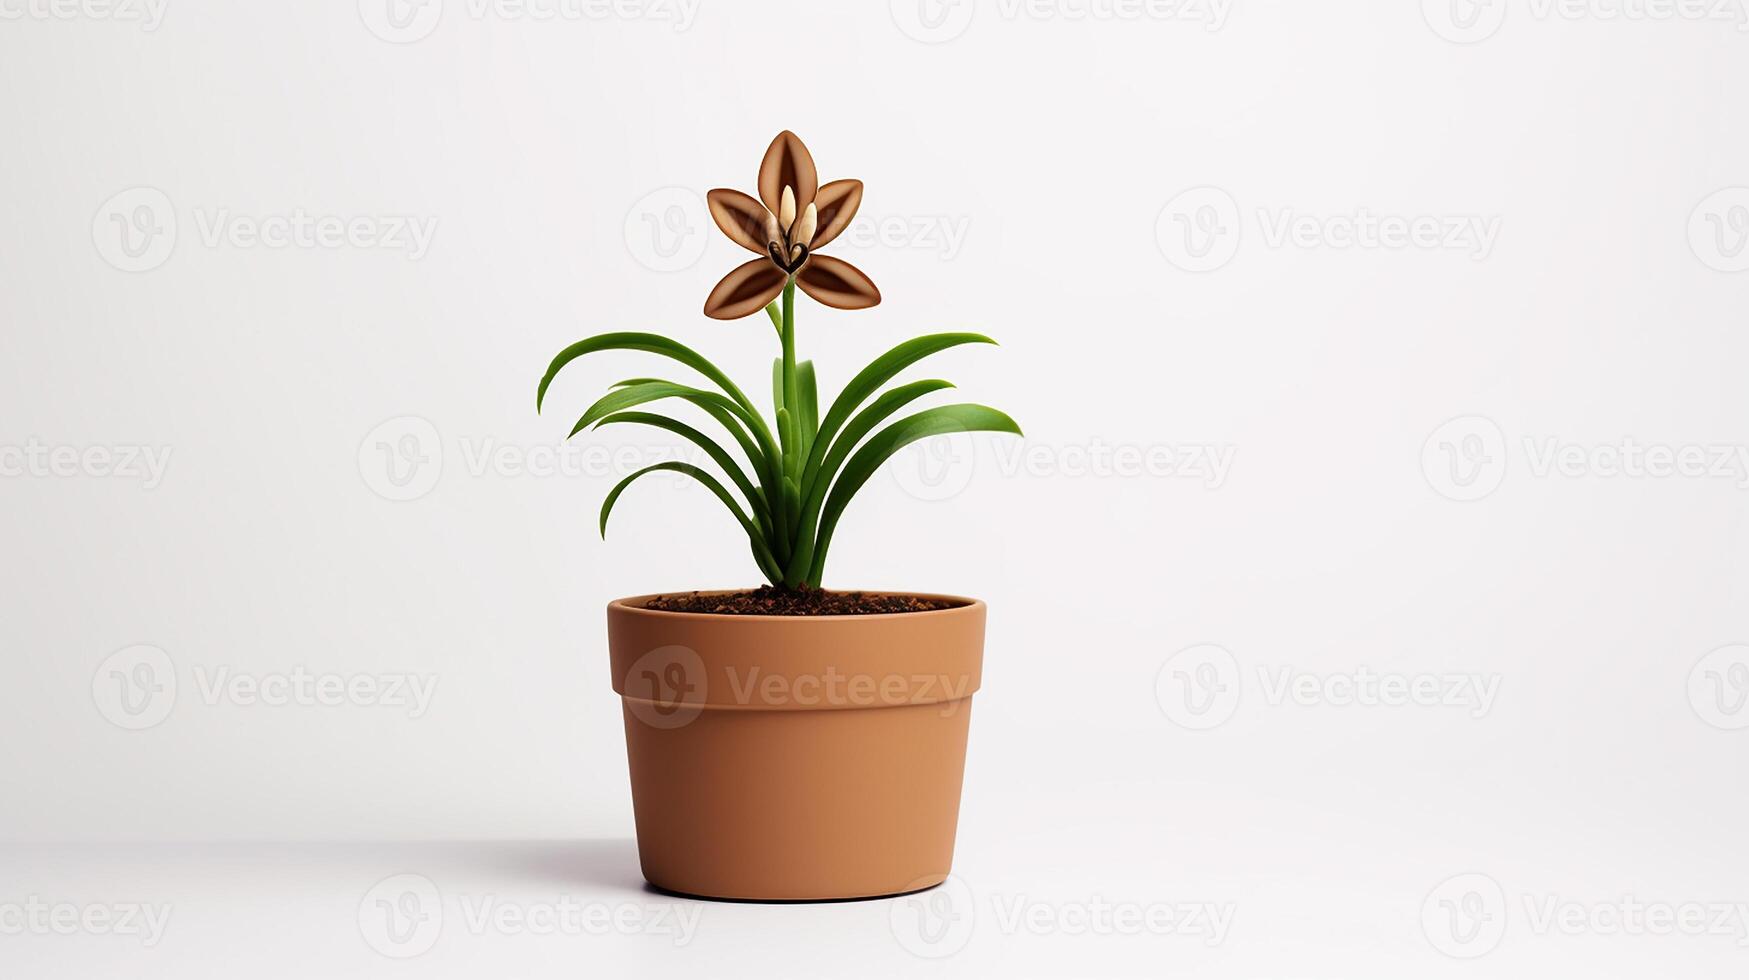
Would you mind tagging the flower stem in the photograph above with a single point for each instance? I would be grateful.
(791, 394)
(792, 461)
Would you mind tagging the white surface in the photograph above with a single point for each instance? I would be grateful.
(1421, 465)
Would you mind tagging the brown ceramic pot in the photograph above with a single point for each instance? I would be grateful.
(796, 757)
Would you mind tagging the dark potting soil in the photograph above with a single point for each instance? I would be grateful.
(767, 601)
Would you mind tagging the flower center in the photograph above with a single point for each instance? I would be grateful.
(789, 236)
(798, 253)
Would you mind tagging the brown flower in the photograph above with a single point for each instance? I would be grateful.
(797, 217)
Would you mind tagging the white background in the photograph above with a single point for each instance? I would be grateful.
(1027, 169)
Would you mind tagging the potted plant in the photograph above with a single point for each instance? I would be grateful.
(791, 742)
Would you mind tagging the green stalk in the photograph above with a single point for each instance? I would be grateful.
(792, 458)
(791, 394)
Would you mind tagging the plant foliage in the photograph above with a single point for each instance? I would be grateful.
(797, 473)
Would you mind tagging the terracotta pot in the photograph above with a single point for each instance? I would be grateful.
(796, 757)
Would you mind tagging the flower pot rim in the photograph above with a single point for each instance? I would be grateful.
(962, 606)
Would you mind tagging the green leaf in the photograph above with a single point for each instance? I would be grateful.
(881, 447)
(755, 500)
(786, 432)
(761, 552)
(649, 391)
(762, 451)
(776, 317)
(767, 564)
(808, 412)
(762, 454)
(783, 435)
(867, 381)
(649, 343)
(864, 422)
(767, 463)
(730, 421)
(792, 502)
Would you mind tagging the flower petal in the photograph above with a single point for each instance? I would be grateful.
(787, 164)
(741, 218)
(837, 283)
(746, 289)
(837, 203)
